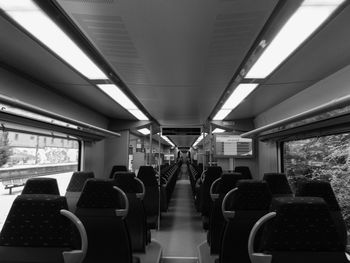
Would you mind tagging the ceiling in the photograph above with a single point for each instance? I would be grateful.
(176, 57)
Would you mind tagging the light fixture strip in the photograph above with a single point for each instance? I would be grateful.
(144, 131)
(29, 16)
(300, 26)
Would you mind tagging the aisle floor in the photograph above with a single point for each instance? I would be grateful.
(181, 228)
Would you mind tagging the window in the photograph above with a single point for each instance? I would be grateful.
(321, 158)
(26, 158)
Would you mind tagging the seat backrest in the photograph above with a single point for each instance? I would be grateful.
(249, 201)
(244, 170)
(117, 168)
(279, 185)
(35, 221)
(302, 231)
(324, 190)
(78, 180)
(41, 185)
(108, 235)
(212, 173)
(217, 222)
(151, 201)
(136, 218)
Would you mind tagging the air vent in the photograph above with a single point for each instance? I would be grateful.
(182, 131)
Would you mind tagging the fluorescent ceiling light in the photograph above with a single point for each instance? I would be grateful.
(139, 115)
(307, 18)
(218, 130)
(166, 139)
(199, 139)
(117, 95)
(28, 15)
(237, 96)
(144, 131)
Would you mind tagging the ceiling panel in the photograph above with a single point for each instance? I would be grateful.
(24, 54)
(176, 57)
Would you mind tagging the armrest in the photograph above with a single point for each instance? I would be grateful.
(142, 194)
(226, 213)
(76, 256)
(259, 257)
(122, 212)
(212, 195)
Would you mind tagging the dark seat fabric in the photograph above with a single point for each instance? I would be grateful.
(151, 200)
(117, 168)
(250, 201)
(244, 170)
(77, 181)
(217, 222)
(108, 235)
(75, 187)
(278, 184)
(41, 186)
(302, 231)
(136, 218)
(212, 173)
(324, 190)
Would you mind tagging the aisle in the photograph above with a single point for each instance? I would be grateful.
(180, 232)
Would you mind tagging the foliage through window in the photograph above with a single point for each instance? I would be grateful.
(322, 158)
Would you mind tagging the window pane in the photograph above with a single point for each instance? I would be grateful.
(24, 156)
(323, 158)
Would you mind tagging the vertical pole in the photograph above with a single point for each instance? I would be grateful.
(210, 143)
(159, 182)
(150, 145)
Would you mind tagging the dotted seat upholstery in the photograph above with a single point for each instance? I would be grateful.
(117, 168)
(212, 173)
(78, 180)
(302, 231)
(151, 200)
(250, 201)
(278, 184)
(41, 186)
(108, 235)
(136, 218)
(244, 170)
(324, 190)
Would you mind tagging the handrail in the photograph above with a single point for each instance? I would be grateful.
(336, 103)
(46, 113)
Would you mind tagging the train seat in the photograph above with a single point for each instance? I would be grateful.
(102, 208)
(244, 170)
(278, 184)
(324, 190)
(241, 209)
(41, 186)
(39, 228)
(151, 200)
(211, 174)
(117, 168)
(298, 229)
(218, 190)
(75, 187)
(136, 218)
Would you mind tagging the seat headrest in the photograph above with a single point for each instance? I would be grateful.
(147, 175)
(250, 195)
(319, 189)
(35, 221)
(278, 183)
(127, 182)
(99, 193)
(301, 224)
(41, 186)
(244, 170)
(117, 168)
(78, 180)
(228, 181)
(214, 171)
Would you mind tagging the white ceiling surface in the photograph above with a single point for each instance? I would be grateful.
(176, 57)
(327, 52)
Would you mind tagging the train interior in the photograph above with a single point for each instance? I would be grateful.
(198, 131)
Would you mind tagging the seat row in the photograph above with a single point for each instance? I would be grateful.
(312, 216)
(109, 214)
